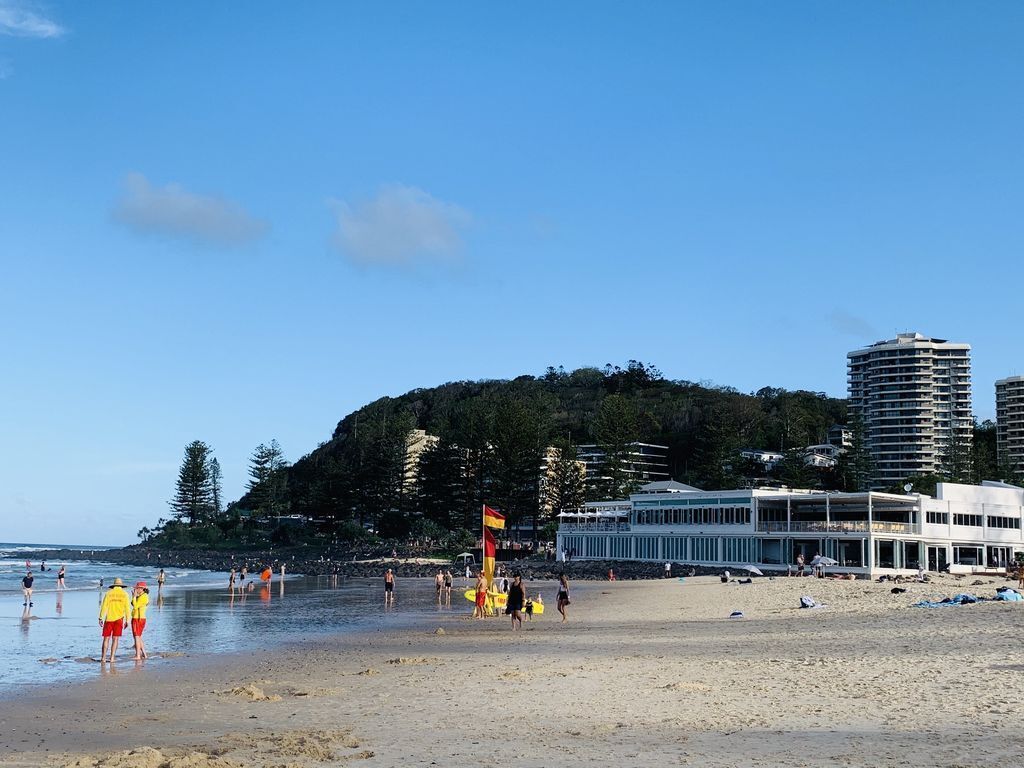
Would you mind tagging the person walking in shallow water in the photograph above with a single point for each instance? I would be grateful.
(26, 588)
(389, 588)
(60, 578)
(140, 600)
(563, 597)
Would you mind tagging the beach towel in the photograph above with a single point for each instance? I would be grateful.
(1009, 596)
(807, 602)
(962, 599)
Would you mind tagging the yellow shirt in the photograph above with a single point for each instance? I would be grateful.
(139, 604)
(115, 605)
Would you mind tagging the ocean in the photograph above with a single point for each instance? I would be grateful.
(194, 613)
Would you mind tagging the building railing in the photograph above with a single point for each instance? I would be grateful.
(835, 526)
(593, 527)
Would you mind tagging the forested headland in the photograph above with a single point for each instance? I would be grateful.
(488, 443)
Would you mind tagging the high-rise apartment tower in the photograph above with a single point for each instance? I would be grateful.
(1010, 424)
(912, 396)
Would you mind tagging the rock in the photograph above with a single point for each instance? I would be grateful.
(440, 631)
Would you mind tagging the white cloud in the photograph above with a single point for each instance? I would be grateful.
(18, 19)
(174, 211)
(399, 227)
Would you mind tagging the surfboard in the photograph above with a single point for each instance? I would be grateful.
(499, 600)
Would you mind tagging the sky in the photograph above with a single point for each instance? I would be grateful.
(237, 222)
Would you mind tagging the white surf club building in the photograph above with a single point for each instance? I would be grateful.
(964, 527)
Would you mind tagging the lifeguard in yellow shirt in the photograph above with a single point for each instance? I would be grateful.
(140, 600)
(114, 612)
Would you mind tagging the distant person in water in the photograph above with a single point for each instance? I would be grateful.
(42, 566)
(231, 580)
(389, 588)
(266, 575)
(26, 587)
(160, 579)
(448, 578)
(439, 585)
(140, 600)
(60, 578)
(114, 613)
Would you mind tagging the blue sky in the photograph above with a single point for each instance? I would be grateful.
(238, 222)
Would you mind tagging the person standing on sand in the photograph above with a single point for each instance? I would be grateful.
(481, 596)
(140, 599)
(800, 564)
(114, 613)
(26, 588)
(514, 605)
(60, 578)
(160, 579)
(563, 597)
(389, 588)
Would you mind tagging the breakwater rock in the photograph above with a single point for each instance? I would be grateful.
(372, 564)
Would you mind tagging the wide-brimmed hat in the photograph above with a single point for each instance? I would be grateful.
(117, 582)
(140, 585)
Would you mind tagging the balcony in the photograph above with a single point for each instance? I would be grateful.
(594, 527)
(836, 526)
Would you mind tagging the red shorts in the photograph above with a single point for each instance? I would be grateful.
(481, 599)
(113, 628)
(138, 625)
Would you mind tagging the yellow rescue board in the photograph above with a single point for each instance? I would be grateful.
(497, 601)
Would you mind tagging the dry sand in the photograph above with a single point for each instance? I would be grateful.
(645, 673)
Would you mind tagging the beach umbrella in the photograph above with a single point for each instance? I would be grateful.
(752, 569)
(824, 561)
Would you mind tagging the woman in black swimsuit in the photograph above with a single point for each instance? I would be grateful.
(514, 604)
(563, 596)
(60, 578)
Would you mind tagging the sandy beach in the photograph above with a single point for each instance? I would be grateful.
(644, 673)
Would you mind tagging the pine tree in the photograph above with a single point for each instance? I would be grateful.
(193, 497)
(215, 484)
(268, 479)
(615, 428)
(565, 487)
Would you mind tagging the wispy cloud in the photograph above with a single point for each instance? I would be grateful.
(21, 19)
(851, 324)
(401, 226)
(173, 211)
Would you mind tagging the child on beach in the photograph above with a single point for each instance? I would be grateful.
(140, 600)
(26, 588)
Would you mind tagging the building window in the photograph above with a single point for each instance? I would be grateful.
(938, 518)
(1003, 522)
(973, 521)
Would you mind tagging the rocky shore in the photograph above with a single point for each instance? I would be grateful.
(370, 564)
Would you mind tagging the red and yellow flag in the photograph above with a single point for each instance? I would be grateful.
(490, 550)
(493, 518)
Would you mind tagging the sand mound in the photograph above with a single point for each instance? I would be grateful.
(440, 631)
(147, 757)
(253, 693)
(411, 660)
(370, 671)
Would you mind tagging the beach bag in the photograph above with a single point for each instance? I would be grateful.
(807, 602)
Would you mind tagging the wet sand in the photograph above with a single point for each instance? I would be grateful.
(645, 673)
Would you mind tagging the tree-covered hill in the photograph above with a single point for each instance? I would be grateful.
(492, 437)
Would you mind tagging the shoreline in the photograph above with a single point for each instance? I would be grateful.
(643, 673)
(372, 565)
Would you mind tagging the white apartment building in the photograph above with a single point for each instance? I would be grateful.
(913, 396)
(645, 462)
(966, 528)
(1010, 423)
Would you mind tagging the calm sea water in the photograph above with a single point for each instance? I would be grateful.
(194, 613)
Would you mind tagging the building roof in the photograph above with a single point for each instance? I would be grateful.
(666, 486)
